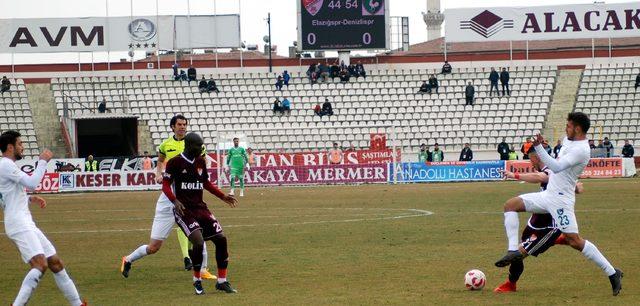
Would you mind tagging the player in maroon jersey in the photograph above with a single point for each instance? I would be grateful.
(185, 179)
(541, 232)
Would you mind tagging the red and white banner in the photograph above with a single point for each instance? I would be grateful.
(355, 157)
(597, 167)
(100, 181)
(50, 183)
(311, 175)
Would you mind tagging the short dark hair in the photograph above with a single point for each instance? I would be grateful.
(234, 138)
(580, 119)
(175, 119)
(7, 138)
(146, 152)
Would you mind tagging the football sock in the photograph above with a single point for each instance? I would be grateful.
(241, 179)
(196, 258)
(511, 225)
(29, 284)
(184, 243)
(67, 287)
(222, 257)
(140, 252)
(515, 270)
(205, 257)
(233, 181)
(591, 251)
(222, 275)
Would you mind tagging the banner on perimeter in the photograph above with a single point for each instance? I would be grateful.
(350, 157)
(597, 20)
(447, 171)
(597, 167)
(24, 35)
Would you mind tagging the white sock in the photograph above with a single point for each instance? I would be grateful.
(29, 284)
(138, 253)
(221, 280)
(205, 258)
(591, 251)
(67, 287)
(511, 225)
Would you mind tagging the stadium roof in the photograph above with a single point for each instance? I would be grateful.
(436, 46)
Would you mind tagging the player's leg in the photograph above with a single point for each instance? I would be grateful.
(531, 202)
(222, 261)
(197, 245)
(184, 248)
(32, 253)
(564, 216)
(63, 281)
(232, 181)
(241, 179)
(204, 271)
(160, 229)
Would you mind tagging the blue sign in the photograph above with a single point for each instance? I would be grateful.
(447, 171)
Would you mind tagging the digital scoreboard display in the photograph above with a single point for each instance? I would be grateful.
(343, 24)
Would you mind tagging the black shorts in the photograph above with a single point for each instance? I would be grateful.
(537, 241)
(198, 219)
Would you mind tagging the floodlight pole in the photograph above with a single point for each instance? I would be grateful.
(269, 26)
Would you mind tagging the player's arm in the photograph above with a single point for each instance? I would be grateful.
(579, 187)
(230, 200)
(245, 158)
(568, 160)
(536, 178)
(30, 181)
(38, 200)
(167, 181)
(160, 167)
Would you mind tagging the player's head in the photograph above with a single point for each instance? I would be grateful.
(11, 145)
(236, 142)
(535, 160)
(577, 125)
(193, 145)
(178, 125)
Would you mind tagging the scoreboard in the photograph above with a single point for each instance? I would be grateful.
(343, 25)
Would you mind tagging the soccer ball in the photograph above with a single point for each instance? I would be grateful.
(475, 280)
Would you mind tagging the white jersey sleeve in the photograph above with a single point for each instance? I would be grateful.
(14, 174)
(569, 160)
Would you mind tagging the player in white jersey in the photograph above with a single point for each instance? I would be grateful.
(35, 248)
(559, 198)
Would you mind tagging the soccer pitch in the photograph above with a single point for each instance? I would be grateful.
(370, 244)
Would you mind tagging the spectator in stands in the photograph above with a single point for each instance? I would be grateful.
(314, 77)
(212, 86)
(310, 71)
(627, 149)
(437, 155)
(503, 149)
(446, 68)
(327, 109)
(608, 146)
(277, 106)
(182, 76)
(250, 157)
(360, 70)
(466, 154)
(512, 153)
(504, 80)
(425, 88)
(493, 78)
(600, 145)
(525, 148)
(424, 155)
(191, 73)
(279, 82)
(433, 83)
(285, 78)
(318, 110)
(286, 106)
(102, 107)
(90, 165)
(352, 71)
(556, 149)
(5, 85)
(344, 76)
(638, 81)
(591, 144)
(334, 71)
(203, 87)
(147, 163)
(469, 93)
(343, 65)
(335, 155)
(175, 67)
(323, 72)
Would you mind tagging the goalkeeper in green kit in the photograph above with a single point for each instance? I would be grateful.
(236, 161)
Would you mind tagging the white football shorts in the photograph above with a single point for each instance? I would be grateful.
(163, 220)
(560, 207)
(31, 243)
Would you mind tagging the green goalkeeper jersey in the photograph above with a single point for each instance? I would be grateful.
(237, 158)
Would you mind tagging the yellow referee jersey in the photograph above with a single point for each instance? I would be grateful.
(171, 147)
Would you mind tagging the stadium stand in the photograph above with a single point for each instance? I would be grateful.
(15, 114)
(607, 93)
(384, 98)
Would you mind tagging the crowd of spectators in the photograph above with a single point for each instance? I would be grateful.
(325, 110)
(208, 87)
(282, 107)
(5, 85)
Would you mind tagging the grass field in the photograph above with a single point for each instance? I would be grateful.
(372, 244)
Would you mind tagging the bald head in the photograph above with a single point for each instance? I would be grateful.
(193, 145)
